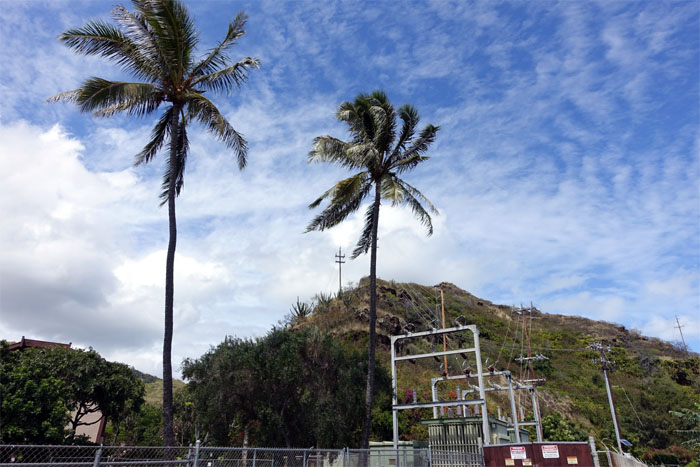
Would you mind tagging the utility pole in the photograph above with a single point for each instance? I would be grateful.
(339, 259)
(682, 338)
(607, 365)
(527, 312)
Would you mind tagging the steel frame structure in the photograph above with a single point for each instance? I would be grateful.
(481, 401)
(512, 386)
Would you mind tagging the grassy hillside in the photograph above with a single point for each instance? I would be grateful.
(651, 378)
(154, 390)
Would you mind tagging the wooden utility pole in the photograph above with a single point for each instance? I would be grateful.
(339, 259)
(681, 331)
(444, 337)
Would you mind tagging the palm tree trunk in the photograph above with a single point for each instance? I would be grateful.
(366, 429)
(168, 432)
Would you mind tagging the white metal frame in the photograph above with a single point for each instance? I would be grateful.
(479, 375)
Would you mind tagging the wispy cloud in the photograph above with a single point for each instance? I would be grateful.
(565, 170)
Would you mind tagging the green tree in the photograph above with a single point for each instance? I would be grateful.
(557, 428)
(46, 390)
(288, 388)
(691, 417)
(34, 405)
(156, 43)
(381, 156)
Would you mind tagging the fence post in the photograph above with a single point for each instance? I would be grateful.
(304, 464)
(196, 453)
(255, 455)
(98, 454)
(594, 453)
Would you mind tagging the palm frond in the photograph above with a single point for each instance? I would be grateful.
(217, 59)
(334, 150)
(136, 29)
(177, 169)
(420, 145)
(106, 98)
(381, 126)
(392, 190)
(414, 202)
(409, 163)
(344, 190)
(349, 113)
(232, 76)
(365, 241)
(385, 128)
(409, 115)
(158, 136)
(100, 38)
(337, 212)
(175, 34)
(418, 195)
(203, 110)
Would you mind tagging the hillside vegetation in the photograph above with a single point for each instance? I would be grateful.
(651, 378)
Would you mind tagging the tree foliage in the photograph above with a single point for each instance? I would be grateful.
(285, 389)
(48, 393)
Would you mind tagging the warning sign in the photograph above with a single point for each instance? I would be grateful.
(550, 451)
(518, 452)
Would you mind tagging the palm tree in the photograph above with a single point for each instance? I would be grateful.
(156, 44)
(380, 157)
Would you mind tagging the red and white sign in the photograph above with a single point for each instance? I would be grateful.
(518, 452)
(550, 451)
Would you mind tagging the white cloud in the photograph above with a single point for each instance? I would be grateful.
(565, 171)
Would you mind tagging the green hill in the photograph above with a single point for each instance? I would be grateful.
(651, 377)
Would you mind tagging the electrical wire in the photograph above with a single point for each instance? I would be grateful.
(510, 320)
(630, 402)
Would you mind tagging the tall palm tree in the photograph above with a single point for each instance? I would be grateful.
(381, 155)
(156, 44)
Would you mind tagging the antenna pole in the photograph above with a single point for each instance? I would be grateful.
(339, 259)
(682, 338)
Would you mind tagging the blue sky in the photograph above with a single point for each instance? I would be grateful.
(566, 169)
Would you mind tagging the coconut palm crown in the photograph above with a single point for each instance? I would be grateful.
(156, 43)
(380, 154)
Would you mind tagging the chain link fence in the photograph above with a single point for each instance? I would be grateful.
(204, 456)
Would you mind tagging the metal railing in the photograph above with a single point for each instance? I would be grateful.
(205, 456)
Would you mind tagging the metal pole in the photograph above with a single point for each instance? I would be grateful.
(536, 414)
(594, 453)
(98, 454)
(255, 455)
(435, 397)
(612, 410)
(394, 400)
(444, 336)
(304, 464)
(197, 444)
(513, 411)
(482, 394)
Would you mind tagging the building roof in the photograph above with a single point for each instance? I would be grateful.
(25, 343)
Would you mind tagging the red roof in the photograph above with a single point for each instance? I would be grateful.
(25, 343)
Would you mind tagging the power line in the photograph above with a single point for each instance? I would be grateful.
(510, 320)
